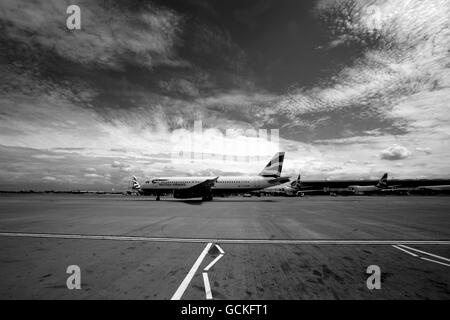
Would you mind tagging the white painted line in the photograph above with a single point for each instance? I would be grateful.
(213, 262)
(413, 254)
(445, 264)
(220, 249)
(207, 286)
(179, 293)
(427, 253)
(234, 241)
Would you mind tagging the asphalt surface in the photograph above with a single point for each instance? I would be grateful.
(155, 249)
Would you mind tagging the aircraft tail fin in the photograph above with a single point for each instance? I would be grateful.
(274, 167)
(135, 184)
(383, 183)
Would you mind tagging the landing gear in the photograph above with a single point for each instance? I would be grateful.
(208, 197)
(158, 198)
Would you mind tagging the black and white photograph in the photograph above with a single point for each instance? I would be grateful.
(251, 151)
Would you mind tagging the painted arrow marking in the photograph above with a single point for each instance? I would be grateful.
(208, 291)
(183, 286)
(216, 259)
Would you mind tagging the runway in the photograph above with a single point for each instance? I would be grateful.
(273, 248)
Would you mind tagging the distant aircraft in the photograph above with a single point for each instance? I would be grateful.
(207, 187)
(381, 185)
(435, 188)
(342, 187)
(290, 189)
(351, 187)
(420, 186)
(431, 190)
(396, 186)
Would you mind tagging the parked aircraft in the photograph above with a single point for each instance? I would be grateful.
(207, 187)
(289, 189)
(361, 189)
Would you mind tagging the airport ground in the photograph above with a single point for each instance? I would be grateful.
(273, 248)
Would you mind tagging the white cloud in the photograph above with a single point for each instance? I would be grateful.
(402, 79)
(395, 152)
(48, 178)
(411, 56)
(118, 164)
(93, 175)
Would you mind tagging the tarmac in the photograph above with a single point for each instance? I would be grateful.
(130, 247)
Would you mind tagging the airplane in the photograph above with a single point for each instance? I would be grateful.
(207, 187)
(381, 185)
(427, 190)
(415, 187)
(343, 187)
(395, 185)
(435, 188)
(290, 189)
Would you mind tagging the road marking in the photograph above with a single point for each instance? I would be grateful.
(226, 240)
(427, 253)
(445, 264)
(220, 249)
(413, 254)
(423, 252)
(207, 286)
(216, 259)
(213, 262)
(180, 291)
(205, 274)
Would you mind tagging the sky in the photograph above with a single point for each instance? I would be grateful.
(348, 89)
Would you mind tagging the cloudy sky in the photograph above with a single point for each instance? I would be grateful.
(354, 88)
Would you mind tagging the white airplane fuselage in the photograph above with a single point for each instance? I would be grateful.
(227, 184)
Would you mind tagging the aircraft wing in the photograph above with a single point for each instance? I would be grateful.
(203, 186)
(280, 180)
